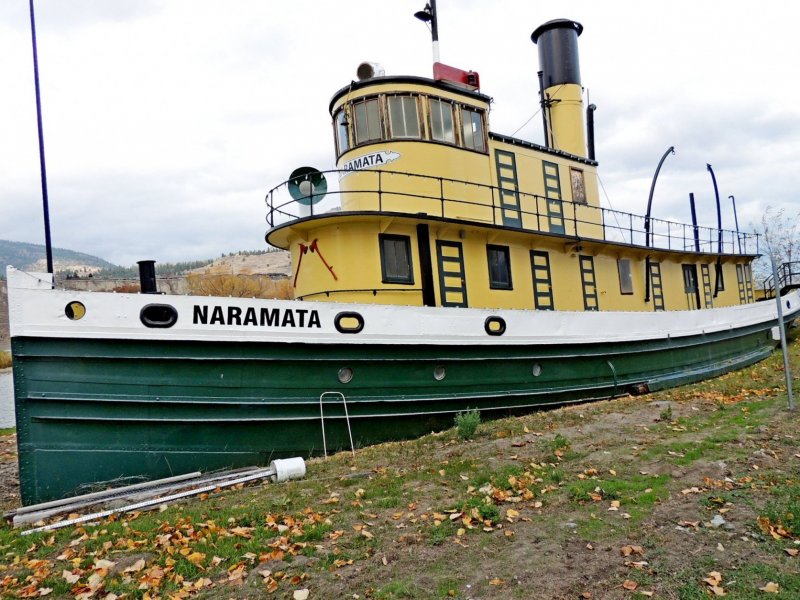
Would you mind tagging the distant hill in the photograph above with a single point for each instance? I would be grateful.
(32, 257)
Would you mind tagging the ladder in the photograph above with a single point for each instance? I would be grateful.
(322, 421)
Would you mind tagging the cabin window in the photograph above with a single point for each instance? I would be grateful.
(396, 259)
(403, 116)
(442, 121)
(589, 283)
(625, 276)
(690, 279)
(578, 185)
(499, 267)
(368, 120)
(342, 138)
(472, 129)
(719, 286)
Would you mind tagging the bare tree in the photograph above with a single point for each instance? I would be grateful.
(780, 231)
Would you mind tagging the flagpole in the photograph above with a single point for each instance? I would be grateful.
(45, 204)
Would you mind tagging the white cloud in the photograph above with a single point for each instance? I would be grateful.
(166, 122)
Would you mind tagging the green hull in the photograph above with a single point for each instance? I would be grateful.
(98, 410)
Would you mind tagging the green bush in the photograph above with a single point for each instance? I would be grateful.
(467, 423)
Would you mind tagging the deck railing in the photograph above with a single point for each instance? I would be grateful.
(388, 191)
(788, 277)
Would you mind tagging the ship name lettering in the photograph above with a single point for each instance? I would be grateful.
(263, 317)
(370, 160)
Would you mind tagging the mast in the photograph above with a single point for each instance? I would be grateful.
(45, 204)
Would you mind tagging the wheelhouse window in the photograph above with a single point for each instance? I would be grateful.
(472, 129)
(396, 259)
(342, 137)
(625, 276)
(403, 116)
(368, 126)
(499, 267)
(442, 129)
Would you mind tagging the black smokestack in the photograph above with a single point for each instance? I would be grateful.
(147, 276)
(557, 41)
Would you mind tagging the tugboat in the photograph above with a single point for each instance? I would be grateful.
(462, 269)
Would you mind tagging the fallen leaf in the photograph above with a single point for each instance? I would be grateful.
(300, 594)
(496, 581)
(771, 588)
(70, 577)
(135, 567)
(628, 550)
(791, 551)
(630, 585)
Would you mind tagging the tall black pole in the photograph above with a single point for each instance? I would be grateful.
(736, 222)
(718, 282)
(670, 150)
(695, 229)
(45, 205)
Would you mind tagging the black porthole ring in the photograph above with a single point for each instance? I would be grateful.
(337, 322)
(158, 316)
(499, 321)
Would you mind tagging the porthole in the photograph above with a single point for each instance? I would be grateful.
(345, 375)
(348, 322)
(536, 370)
(788, 304)
(494, 325)
(159, 316)
(439, 372)
(75, 310)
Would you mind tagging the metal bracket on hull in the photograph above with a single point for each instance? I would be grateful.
(322, 421)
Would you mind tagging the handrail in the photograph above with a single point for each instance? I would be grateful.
(575, 219)
(788, 275)
(374, 291)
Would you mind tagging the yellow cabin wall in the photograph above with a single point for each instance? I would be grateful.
(352, 249)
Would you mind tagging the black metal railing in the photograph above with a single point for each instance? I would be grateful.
(443, 197)
(788, 277)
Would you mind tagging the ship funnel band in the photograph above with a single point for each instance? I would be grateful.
(368, 70)
(558, 51)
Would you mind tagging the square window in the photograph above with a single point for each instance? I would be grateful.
(368, 121)
(403, 116)
(442, 121)
(499, 267)
(625, 276)
(472, 129)
(342, 139)
(720, 283)
(396, 259)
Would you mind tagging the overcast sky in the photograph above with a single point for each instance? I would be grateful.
(166, 121)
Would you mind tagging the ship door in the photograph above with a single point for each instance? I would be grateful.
(690, 287)
(509, 188)
(452, 279)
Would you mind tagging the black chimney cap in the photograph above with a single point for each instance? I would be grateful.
(556, 24)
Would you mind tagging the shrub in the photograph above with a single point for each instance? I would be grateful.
(5, 359)
(238, 286)
(467, 423)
